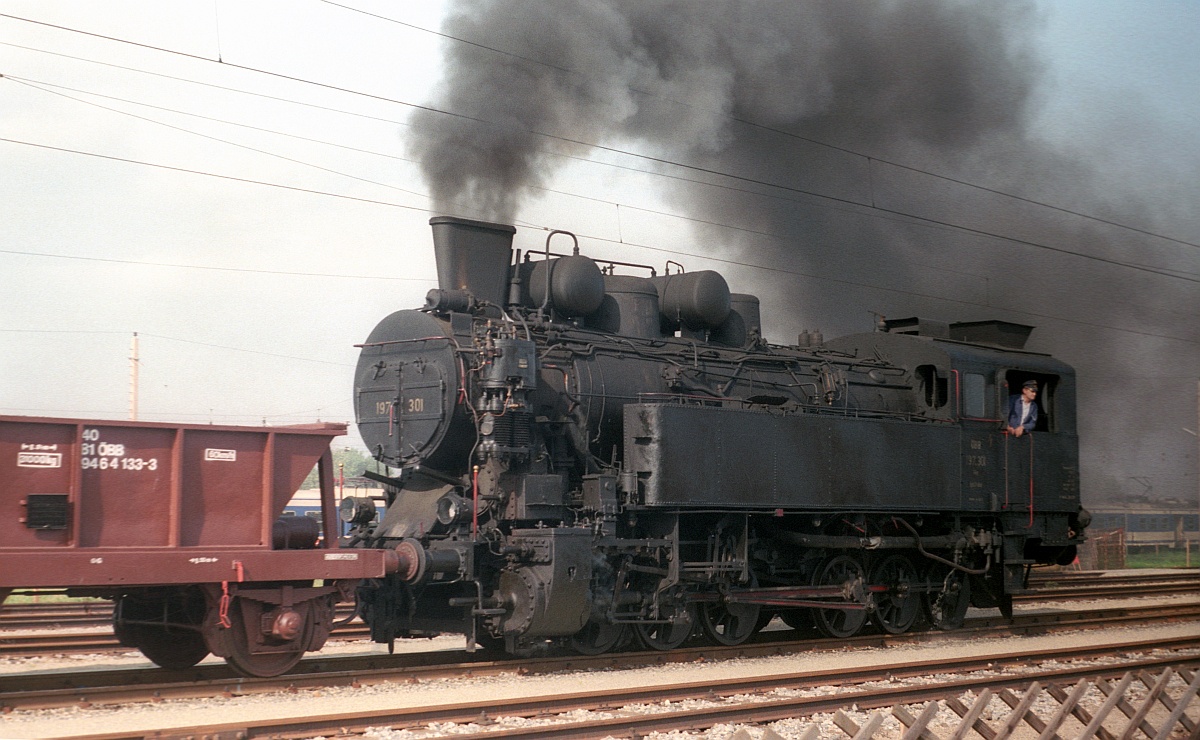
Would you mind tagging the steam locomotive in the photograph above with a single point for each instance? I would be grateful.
(583, 452)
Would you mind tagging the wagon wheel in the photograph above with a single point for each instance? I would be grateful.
(670, 634)
(176, 642)
(729, 624)
(240, 655)
(896, 609)
(597, 637)
(840, 570)
(173, 649)
(948, 597)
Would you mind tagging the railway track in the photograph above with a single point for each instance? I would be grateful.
(1064, 585)
(58, 642)
(120, 686)
(24, 616)
(58, 615)
(1068, 585)
(694, 706)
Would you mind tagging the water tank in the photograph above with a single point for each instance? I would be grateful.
(742, 324)
(629, 308)
(576, 285)
(693, 300)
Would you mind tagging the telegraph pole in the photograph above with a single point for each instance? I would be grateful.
(133, 378)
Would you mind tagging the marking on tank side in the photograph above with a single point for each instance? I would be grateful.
(39, 459)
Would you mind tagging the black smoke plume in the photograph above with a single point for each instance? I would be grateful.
(678, 76)
(862, 103)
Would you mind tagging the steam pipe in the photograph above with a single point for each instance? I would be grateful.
(975, 572)
(550, 266)
(870, 543)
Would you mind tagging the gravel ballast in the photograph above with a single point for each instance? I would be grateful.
(283, 705)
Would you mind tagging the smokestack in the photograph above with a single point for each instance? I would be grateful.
(473, 256)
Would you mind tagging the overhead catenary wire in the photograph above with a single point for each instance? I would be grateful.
(615, 242)
(434, 109)
(218, 139)
(899, 216)
(304, 415)
(766, 252)
(660, 160)
(176, 339)
(902, 216)
(770, 129)
(1167, 273)
(43, 86)
(225, 417)
(735, 262)
(218, 268)
(580, 196)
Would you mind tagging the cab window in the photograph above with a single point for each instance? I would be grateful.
(974, 396)
(1015, 380)
(933, 386)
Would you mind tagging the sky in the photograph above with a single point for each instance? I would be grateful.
(246, 185)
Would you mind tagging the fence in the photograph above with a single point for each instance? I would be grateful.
(1154, 706)
(1104, 550)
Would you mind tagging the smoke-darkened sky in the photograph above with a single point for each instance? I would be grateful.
(247, 184)
(899, 155)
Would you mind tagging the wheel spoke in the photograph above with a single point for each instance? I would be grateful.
(896, 609)
(597, 638)
(729, 624)
(948, 596)
(667, 635)
(839, 570)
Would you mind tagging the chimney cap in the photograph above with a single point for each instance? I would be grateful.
(455, 220)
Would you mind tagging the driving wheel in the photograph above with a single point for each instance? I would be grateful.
(729, 624)
(724, 622)
(669, 634)
(840, 570)
(897, 608)
(597, 638)
(948, 596)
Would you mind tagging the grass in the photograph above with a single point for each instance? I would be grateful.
(1164, 558)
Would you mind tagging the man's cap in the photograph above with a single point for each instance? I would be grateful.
(1030, 384)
